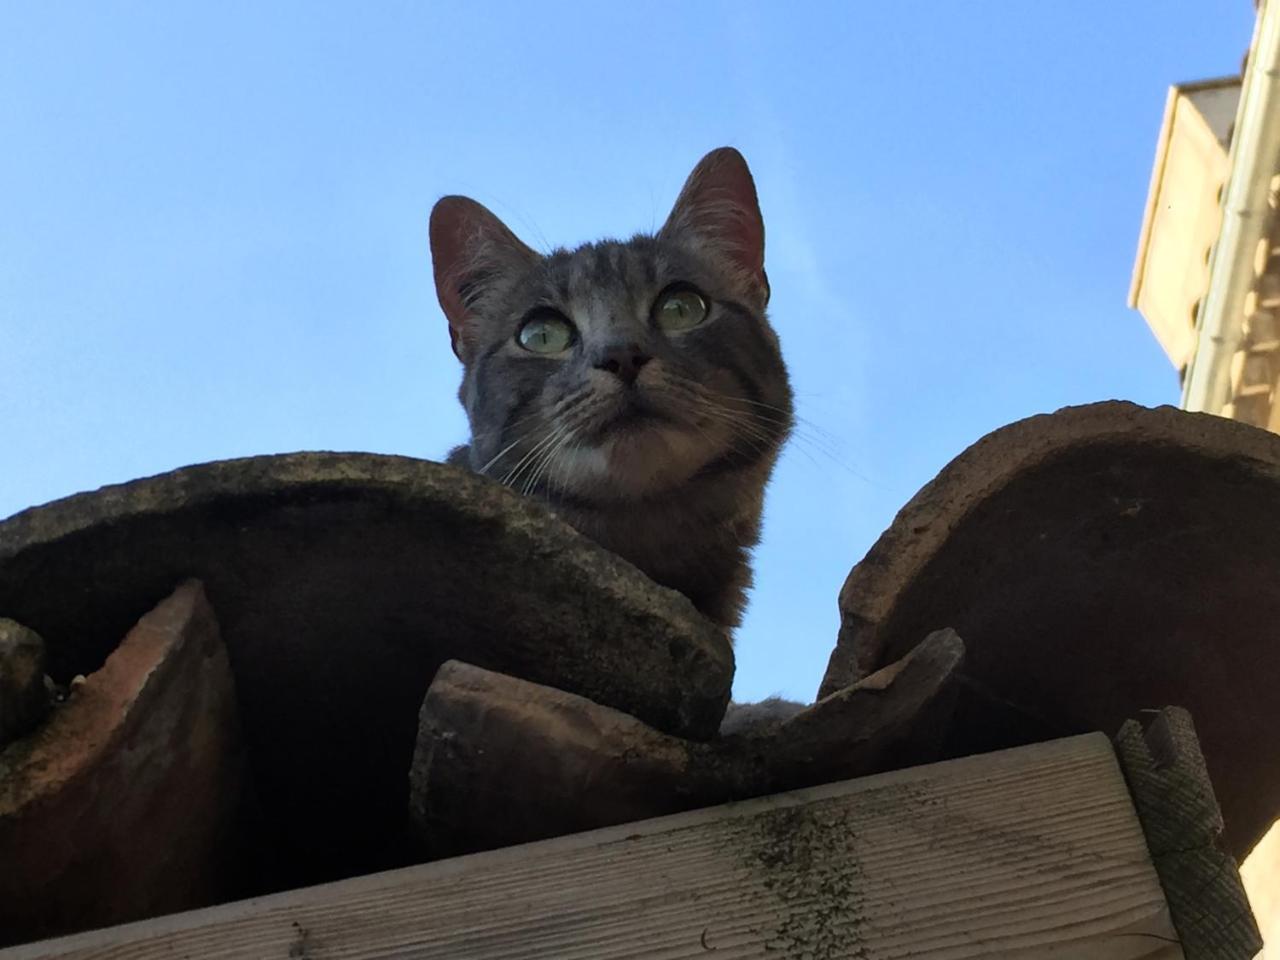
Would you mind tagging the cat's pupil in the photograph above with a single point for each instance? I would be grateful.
(548, 334)
(681, 310)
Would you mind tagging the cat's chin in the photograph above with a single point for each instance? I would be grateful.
(637, 462)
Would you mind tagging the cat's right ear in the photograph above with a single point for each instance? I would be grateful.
(469, 247)
(718, 211)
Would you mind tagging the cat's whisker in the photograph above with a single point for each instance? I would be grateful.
(502, 453)
(536, 469)
(535, 464)
(710, 411)
(633, 459)
(746, 428)
(565, 475)
(531, 476)
(549, 461)
(506, 427)
(807, 438)
(562, 467)
(783, 415)
(763, 434)
(806, 429)
(736, 431)
(744, 445)
(559, 411)
(506, 478)
(530, 456)
(780, 414)
(506, 430)
(734, 440)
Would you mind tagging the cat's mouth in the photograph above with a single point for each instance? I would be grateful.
(634, 443)
(633, 416)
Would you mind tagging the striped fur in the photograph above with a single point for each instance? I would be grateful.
(668, 471)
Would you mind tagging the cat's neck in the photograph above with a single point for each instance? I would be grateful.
(695, 537)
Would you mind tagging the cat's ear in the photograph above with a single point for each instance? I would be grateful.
(718, 211)
(469, 248)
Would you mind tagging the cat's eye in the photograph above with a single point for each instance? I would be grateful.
(680, 309)
(546, 333)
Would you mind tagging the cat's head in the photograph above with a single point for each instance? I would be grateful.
(619, 370)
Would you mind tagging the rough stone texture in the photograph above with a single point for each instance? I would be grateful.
(1098, 561)
(24, 701)
(341, 583)
(502, 761)
(895, 717)
(125, 804)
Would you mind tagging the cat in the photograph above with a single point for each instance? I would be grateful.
(635, 386)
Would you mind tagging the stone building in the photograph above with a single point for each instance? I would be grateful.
(1207, 273)
(1207, 279)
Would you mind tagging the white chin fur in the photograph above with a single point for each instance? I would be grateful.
(638, 463)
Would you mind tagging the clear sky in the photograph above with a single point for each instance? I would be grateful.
(213, 225)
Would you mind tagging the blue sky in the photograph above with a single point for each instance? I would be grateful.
(213, 226)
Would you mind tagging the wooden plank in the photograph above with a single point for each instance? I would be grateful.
(1015, 854)
(1183, 826)
(1260, 874)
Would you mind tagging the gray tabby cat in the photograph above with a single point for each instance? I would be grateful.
(636, 387)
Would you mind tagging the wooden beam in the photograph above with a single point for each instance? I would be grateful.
(1017, 854)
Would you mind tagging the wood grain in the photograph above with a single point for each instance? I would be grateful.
(1024, 853)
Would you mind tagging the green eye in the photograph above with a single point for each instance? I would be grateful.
(680, 309)
(546, 333)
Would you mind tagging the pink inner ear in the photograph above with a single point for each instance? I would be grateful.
(719, 205)
(449, 259)
(466, 242)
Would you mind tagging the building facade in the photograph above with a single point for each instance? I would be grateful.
(1207, 281)
(1207, 274)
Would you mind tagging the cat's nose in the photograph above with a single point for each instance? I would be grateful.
(624, 362)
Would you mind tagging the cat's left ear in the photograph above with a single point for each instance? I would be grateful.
(718, 211)
(469, 248)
